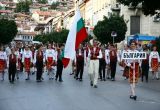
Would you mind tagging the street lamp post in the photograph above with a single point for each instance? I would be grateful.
(113, 34)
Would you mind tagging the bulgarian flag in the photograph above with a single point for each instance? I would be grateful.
(76, 36)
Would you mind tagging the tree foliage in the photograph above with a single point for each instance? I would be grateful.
(22, 6)
(148, 7)
(8, 30)
(57, 37)
(54, 5)
(42, 1)
(104, 28)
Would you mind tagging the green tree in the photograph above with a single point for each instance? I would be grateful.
(57, 37)
(148, 7)
(42, 1)
(54, 5)
(8, 30)
(22, 6)
(104, 28)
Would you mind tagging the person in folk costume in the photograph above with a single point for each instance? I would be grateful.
(134, 72)
(80, 61)
(33, 54)
(86, 50)
(145, 65)
(27, 61)
(51, 59)
(44, 55)
(107, 59)
(21, 49)
(94, 54)
(113, 61)
(102, 65)
(13, 63)
(39, 61)
(124, 63)
(55, 47)
(18, 56)
(154, 60)
(3, 62)
(60, 56)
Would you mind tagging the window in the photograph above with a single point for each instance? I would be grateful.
(135, 25)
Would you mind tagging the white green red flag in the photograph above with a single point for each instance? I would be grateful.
(76, 36)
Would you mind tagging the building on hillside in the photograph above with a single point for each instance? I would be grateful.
(65, 5)
(26, 37)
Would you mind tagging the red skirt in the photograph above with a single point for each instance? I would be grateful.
(27, 64)
(134, 78)
(49, 62)
(2, 65)
(154, 64)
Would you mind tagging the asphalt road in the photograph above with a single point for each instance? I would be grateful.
(75, 95)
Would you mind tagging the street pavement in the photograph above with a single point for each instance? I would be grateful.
(75, 95)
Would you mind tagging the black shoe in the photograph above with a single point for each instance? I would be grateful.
(61, 80)
(71, 73)
(42, 78)
(27, 78)
(104, 79)
(76, 78)
(80, 79)
(131, 96)
(33, 73)
(17, 78)
(95, 86)
(135, 97)
(56, 79)
(157, 78)
(91, 83)
(108, 78)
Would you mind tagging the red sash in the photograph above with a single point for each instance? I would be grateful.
(2, 65)
(27, 64)
(154, 64)
(136, 73)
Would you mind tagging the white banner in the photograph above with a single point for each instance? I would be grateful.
(134, 55)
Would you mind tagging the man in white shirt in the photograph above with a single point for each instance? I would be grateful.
(94, 54)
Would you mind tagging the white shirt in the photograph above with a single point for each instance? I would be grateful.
(51, 53)
(153, 54)
(27, 54)
(3, 55)
(107, 59)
